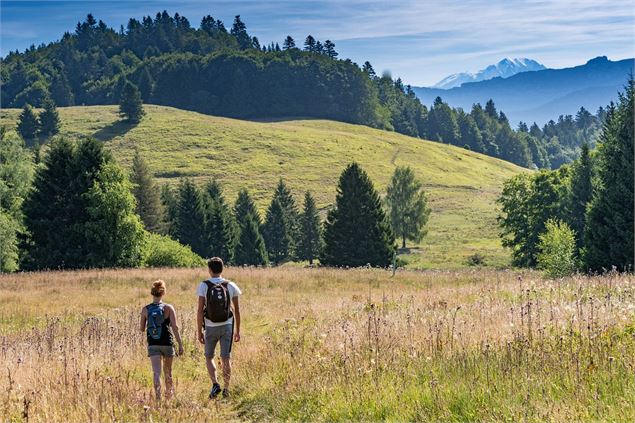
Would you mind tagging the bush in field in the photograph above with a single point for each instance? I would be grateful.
(163, 251)
(557, 249)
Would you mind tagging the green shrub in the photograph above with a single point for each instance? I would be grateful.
(476, 259)
(163, 251)
(557, 249)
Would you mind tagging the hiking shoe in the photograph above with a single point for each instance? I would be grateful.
(213, 393)
(225, 393)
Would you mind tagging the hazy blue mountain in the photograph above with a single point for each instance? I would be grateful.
(505, 68)
(541, 95)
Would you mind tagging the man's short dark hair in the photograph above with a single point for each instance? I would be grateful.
(215, 265)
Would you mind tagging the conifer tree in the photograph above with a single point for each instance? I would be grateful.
(239, 30)
(289, 43)
(49, 120)
(581, 193)
(170, 205)
(329, 49)
(147, 193)
(190, 219)
(245, 206)
(609, 221)
(291, 214)
(357, 231)
(28, 123)
(368, 70)
(130, 105)
(276, 233)
(310, 241)
(81, 211)
(220, 229)
(309, 44)
(407, 205)
(250, 248)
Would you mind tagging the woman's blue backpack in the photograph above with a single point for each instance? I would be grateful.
(155, 320)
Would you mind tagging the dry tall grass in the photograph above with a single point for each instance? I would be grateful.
(327, 345)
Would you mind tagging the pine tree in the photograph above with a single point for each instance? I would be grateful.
(220, 228)
(309, 44)
(310, 242)
(581, 193)
(490, 109)
(609, 220)
(171, 210)
(190, 219)
(289, 43)
(329, 49)
(147, 193)
(319, 48)
(250, 248)
(407, 205)
(245, 206)
(368, 70)
(291, 214)
(130, 105)
(49, 120)
(276, 233)
(357, 231)
(28, 125)
(80, 212)
(239, 30)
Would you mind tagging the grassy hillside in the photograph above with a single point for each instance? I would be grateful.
(310, 154)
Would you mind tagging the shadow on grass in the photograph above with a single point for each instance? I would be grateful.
(115, 129)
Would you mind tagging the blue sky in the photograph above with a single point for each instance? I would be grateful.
(419, 41)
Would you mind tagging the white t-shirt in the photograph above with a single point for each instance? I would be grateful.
(234, 291)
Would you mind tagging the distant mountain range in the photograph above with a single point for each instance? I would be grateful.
(505, 68)
(541, 95)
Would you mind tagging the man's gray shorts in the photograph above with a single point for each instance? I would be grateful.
(224, 335)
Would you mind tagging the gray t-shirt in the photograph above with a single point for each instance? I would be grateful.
(233, 289)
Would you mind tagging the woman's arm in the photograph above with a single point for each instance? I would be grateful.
(175, 328)
(144, 318)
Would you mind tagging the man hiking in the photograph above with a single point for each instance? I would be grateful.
(219, 313)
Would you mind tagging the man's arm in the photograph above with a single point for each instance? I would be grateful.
(236, 319)
(199, 319)
(142, 323)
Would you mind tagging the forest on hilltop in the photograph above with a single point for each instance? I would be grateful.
(217, 71)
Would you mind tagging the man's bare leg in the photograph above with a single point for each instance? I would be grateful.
(211, 369)
(227, 372)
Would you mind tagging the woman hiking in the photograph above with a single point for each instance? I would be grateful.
(158, 320)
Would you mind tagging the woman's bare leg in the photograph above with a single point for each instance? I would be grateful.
(156, 375)
(167, 374)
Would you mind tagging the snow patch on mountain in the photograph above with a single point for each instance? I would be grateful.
(504, 69)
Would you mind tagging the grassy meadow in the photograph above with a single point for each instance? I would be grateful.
(310, 154)
(327, 345)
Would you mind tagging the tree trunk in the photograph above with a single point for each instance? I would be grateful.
(403, 242)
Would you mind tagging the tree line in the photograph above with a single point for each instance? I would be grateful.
(229, 73)
(357, 231)
(77, 208)
(581, 213)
